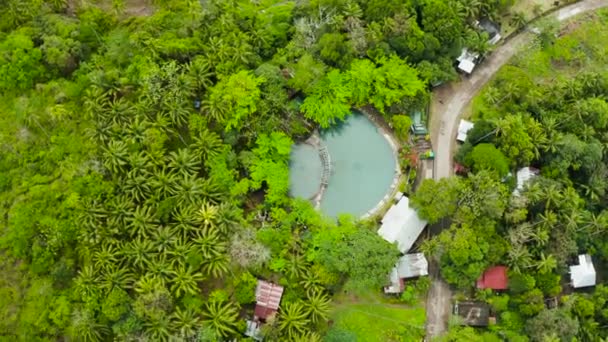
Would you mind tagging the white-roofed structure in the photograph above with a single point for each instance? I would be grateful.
(408, 266)
(402, 225)
(583, 274)
(463, 128)
(467, 61)
(524, 175)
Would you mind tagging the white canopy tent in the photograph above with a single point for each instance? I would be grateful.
(583, 274)
(402, 225)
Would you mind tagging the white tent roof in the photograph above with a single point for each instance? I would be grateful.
(463, 128)
(401, 224)
(524, 175)
(408, 266)
(583, 274)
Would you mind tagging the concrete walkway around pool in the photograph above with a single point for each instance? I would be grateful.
(388, 134)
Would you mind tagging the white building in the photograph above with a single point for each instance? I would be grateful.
(408, 266)
(467, 61)
(463, 129)
(402, 225)
(524, 175)
(583, 274)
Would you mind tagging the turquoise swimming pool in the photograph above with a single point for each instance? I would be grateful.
(363, 167)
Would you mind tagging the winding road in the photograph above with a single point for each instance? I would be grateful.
(449, 102)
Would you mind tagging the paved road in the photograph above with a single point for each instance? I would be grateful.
(449, 101)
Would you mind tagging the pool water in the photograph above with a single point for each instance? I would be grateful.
(363, 168)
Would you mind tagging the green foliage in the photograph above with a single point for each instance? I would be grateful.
(366, 266)
(402, 125)
(21, 62)
(488, 157)
(436, 200)
(329, 101)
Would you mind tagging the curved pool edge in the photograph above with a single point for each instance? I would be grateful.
(389, 136)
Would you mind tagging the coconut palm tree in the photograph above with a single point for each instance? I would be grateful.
(140, 252)
(185, 322)
(163, 183)
(184, 162)
(148, 283)
(221, 317)
(142, 222)
(209, 244)
(116, 277)
(217, 265)
(185, 281)
(160, 267)
(137, 187)
(184, 217)
(207, 215)
(163, 238)
(311, 281)
(106, 256)
(190, 190)
(115, 156)
(293, 320)
(85, 283)
(84, 327)
(180, 251)
(317, 306)
(546, 264)
(158, 328)
(214, 106)
(207, 144)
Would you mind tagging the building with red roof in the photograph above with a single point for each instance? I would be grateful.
(494, 278)
(268, 296)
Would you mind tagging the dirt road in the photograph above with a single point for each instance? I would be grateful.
(447, 106)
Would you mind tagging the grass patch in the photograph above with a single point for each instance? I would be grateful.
(372, 318)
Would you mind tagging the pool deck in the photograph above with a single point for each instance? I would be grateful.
(375, 117)
(315, 141)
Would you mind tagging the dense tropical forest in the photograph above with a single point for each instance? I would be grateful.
(547, 109)
(144, 166)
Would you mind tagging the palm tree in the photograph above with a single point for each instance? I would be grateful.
(207, 215)
(207, 144)
(115, 156)
(105, 256)
(85, 284)
(228, 217)
(158, 328)
(217, 265)
(139, 162)
(293, 319)
(185, 281)
(519, 20)
(186, 322)
(177, 110)
(184, 217)
(519, 258)
(135, 131)
(296, 266)
(137, 186)
(142, 221)
(140, 252)
(180, 251)
(311, 281)
(317, 306)
(116, 277)
(221, 317)
(148, 283)
(184, 162)
(84, 327)
(215, 107)
(209, 244)
(163, 239)
(160, 267)
(200, 72)
(191, 189)
(546, 264)
(163, 183)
